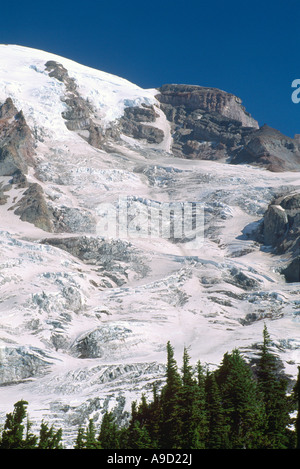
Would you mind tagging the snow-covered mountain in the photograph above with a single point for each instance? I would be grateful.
(86, 312)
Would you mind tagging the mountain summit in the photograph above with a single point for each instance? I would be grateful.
(91, 288)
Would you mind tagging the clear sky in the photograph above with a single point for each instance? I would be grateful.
(248, 48)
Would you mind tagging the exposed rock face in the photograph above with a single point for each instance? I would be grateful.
(275, 225)
(271, 149)
(59, 72)
(207, 123)
(192, 97)
(8, 109)
(33, 208)
(16, 155)
(135, 124)
(282, 222)
(79, 113)
(16, 141)
(282, 231)
(292, 271)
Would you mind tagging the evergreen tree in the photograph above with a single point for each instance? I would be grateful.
(217, 437)
(108, 436)
(30, 441)
(138, 437)
(273, 389)
(297, 399)
(91, 441)
(192, 408)
(154, 418)
(200, 377)
(49, 439)
(86, 438)
(80, 440)
(170, 406)
(242, 408)
(13, 434)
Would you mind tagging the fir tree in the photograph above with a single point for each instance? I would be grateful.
(13, 434)
(86, 438)
(108, 436)
(154, 418)
(217, 436)
(170, 406)
(192, 408)
(297, 399)
(242, 409)
(49, 438)
(273, 390)
(91, 441)
(138, 437)
(80, 440)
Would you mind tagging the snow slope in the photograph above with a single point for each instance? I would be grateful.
(80, 334)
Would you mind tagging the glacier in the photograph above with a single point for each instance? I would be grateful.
(84, 318)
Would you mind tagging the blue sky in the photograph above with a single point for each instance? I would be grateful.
(251, 49)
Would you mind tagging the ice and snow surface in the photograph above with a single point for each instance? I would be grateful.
(56, 308)
(24, 79)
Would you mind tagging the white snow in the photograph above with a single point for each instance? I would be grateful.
(50, 299)
(24, 79)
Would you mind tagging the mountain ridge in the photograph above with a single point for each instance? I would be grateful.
(84, 314)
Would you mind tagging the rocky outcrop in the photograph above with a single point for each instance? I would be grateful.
(292, 271)
(270, 149)
(16, 141)
(79, 114)
(17, 147)
(206, 123)
(281, 230)
(78, 111)
(33, 208)
(282, 222)
(59, 72)
(192, 97)
(136, 124)
(8, 109)
(275, 225)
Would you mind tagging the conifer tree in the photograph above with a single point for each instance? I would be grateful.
(13, 434)
(192, 408)
(80, 440)
(86, 438)
(217, 435)
(108, 436)
(297, 399)
(49, 438)
(154, 418)
(242, 409)
(91, 441)
(273, 389)
(138, 437)
(171, 422)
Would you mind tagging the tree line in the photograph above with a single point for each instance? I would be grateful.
(236, 406)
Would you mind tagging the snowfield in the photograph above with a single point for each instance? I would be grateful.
(84, 323)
